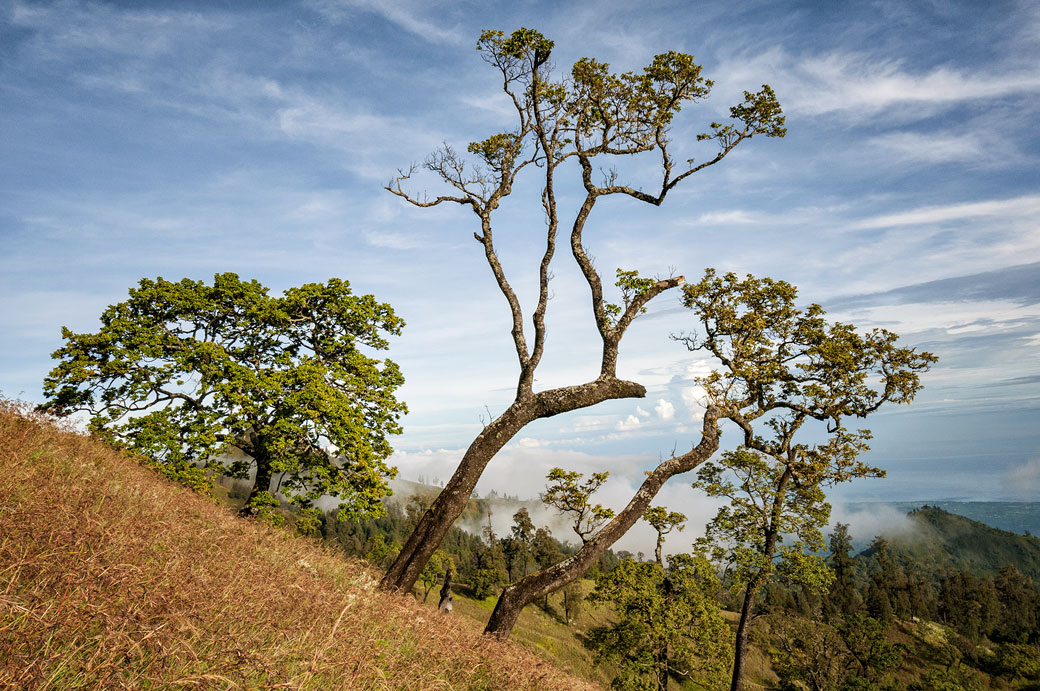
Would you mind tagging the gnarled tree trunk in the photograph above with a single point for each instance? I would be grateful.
(449, 505)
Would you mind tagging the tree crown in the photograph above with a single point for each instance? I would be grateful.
(185, 372)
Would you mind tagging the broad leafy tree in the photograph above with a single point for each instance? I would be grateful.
(564, 130)
(788, 377)
(189, 374)
(769, 529)
(851, 655)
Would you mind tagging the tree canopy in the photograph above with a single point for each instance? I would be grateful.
(790, 380)
(667, 624)
(187, 373)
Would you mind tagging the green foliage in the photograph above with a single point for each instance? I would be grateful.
(518, 548)
(491, 568)
(663, 522)
(950, 679)
(1020, 607)
(184, 373)
(760, 113)
(522, 43)
(765, 509)
(497, 151)
(546, 550)
(809, 655)
(785, 368)
(668, 623)
(1018, 661)
(483, 582)
(569, 495)
(969, 605)
(787, 374)
(380, 552)
(309, 521)
(184, 473)
(785, 365)
(852, 655)
(631, 285)
(873, 656)
(265, 507)
(596, 111)
(842, 596)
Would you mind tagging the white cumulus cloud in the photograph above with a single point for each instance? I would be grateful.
(629, 423)
(664, 409)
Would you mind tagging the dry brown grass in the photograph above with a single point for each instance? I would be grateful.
(110, 577)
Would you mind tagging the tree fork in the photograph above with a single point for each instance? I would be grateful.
(451, 502)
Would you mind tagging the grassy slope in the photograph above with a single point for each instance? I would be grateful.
(549, 636)
(111, 577)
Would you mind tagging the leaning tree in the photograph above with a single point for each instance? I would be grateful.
(571, 126)
(188, 374)
(781, 372)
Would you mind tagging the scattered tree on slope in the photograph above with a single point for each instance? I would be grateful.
(185, 373)
(668, 623)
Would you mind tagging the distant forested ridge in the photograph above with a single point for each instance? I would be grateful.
(1022, 517)
(941, 541)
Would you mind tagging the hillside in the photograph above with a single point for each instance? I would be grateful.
(941, 541)
(1016, 516)
(110, 577)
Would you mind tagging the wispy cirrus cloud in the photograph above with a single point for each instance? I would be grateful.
(866, 86)
(930, 148)
(1016, 284)
(858, 85)
(402, 14)
(1023, 208)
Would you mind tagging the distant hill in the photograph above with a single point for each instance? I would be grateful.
(1021, 517)
(940, 541)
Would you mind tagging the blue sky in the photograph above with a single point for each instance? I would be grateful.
(184, 139)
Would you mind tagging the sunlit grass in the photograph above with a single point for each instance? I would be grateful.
(111, 577)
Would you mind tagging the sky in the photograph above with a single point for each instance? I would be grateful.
(182, 139)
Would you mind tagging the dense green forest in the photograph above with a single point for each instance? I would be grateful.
(952, 604)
